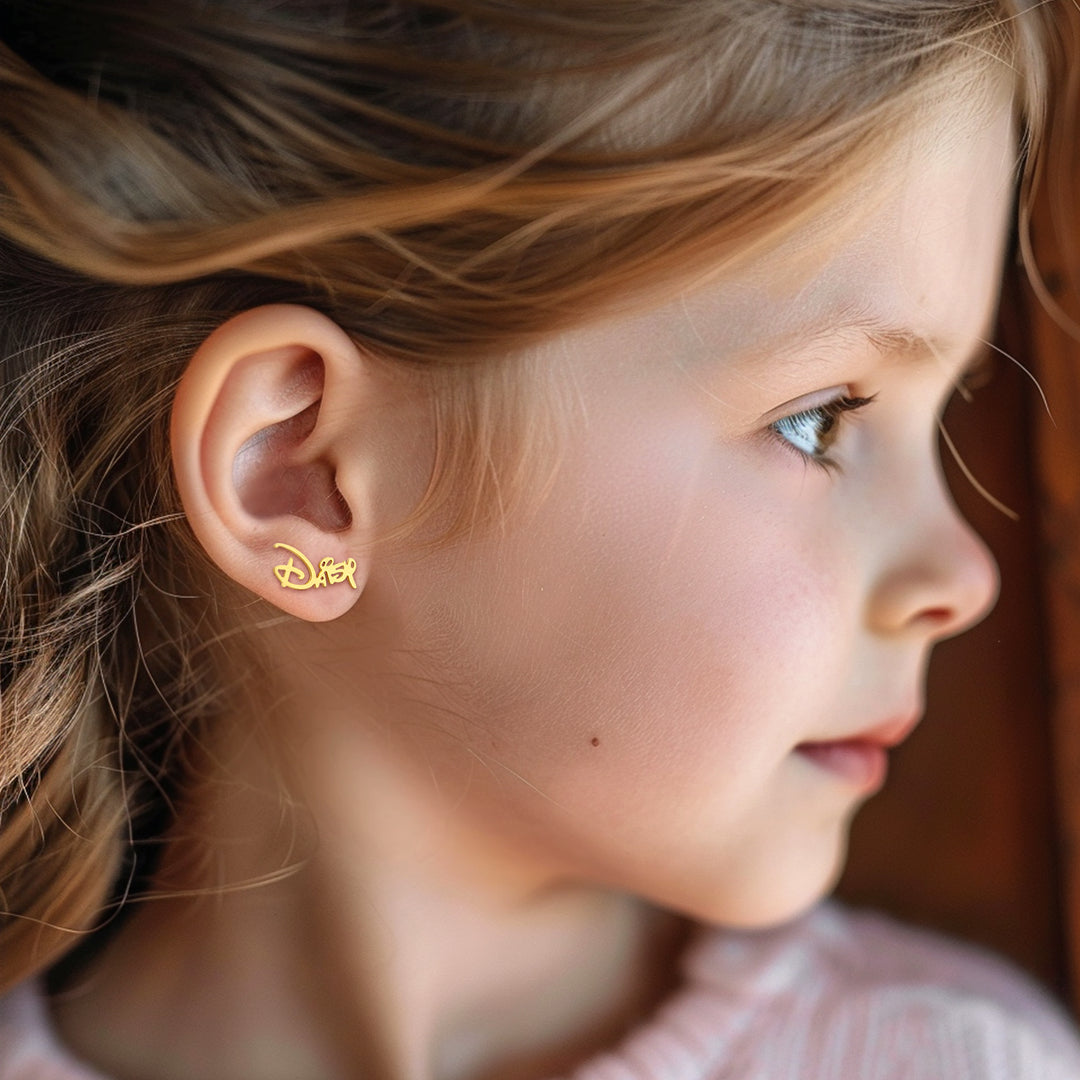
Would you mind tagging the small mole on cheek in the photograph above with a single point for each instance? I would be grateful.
(595, 741)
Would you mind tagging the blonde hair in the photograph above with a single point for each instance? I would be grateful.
(449, 181)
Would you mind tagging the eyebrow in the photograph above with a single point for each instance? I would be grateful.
(904, 341)
(889, 338)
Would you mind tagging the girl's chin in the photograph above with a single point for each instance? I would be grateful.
(764, 904)
(765, 918)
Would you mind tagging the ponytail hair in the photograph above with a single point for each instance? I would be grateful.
(449, 181)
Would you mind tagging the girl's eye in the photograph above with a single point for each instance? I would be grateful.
(812, 432)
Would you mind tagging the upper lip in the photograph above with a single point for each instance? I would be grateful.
(887, 734)
(891, 732)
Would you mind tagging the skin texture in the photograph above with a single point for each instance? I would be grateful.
(502, 741)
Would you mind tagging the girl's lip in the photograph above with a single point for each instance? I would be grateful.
(890, 732)
(887, 734)
(859, 762)
(861, 759)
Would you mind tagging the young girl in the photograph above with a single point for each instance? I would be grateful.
(472, 515)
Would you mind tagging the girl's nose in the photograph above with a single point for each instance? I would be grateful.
(941, 578)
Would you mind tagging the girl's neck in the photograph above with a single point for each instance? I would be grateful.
(401, 948)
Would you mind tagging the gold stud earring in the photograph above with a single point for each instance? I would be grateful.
(329, 572)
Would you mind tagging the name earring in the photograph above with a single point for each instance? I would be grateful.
(329, 572)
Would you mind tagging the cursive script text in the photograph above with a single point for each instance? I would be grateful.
(305, 575)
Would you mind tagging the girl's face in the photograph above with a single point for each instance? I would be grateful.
(677, 673)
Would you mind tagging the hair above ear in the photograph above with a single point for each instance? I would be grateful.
(261, 454)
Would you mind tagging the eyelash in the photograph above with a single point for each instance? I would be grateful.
(824, 421)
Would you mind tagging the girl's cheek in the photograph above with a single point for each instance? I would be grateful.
(631, 598)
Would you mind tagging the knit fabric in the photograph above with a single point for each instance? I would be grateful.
(835, 995)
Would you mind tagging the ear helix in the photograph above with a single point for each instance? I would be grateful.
(275, 482)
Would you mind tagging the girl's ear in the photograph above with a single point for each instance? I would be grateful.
(264, 444)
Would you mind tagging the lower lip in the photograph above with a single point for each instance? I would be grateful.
(864, 765)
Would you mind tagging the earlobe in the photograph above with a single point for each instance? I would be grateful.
(262, 468)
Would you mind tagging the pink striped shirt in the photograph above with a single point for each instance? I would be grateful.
(833, 996)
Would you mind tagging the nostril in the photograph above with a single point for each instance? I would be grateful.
(939, 614)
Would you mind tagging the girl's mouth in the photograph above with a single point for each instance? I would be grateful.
(862, 759)
(862, 763)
